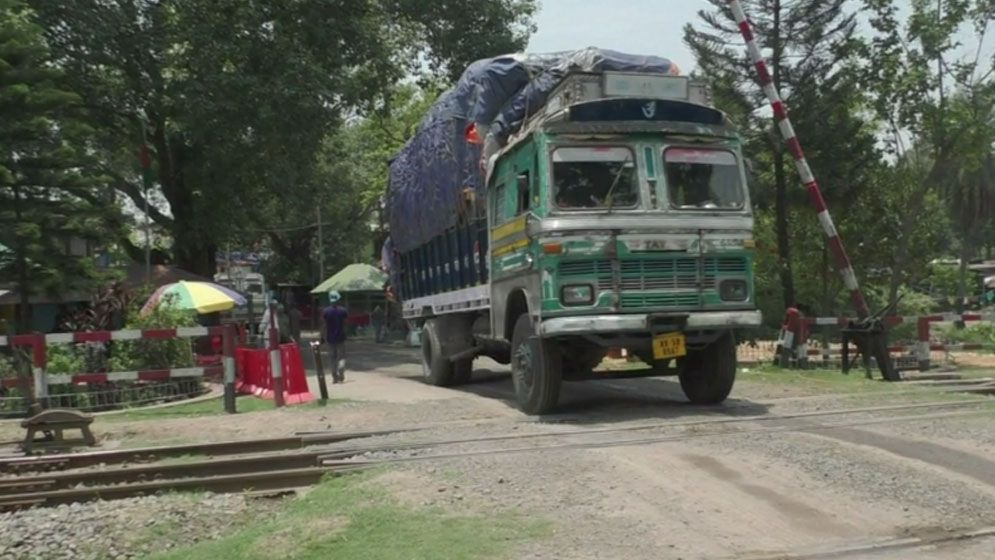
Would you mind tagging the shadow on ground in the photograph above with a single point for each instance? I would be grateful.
(596, 401)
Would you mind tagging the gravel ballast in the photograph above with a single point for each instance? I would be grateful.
(120, 529)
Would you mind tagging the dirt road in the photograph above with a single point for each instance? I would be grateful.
(789, 467)
(734, 482)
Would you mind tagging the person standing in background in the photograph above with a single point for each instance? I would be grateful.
(333, 332)
(295, 316)
(378, 324)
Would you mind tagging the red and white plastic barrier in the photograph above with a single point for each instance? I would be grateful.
(255, 374)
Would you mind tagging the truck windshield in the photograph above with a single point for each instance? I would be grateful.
(702, 179)
(583, 177)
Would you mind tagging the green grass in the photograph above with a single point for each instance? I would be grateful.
(200, 408)
(815, 380)
(344, 517)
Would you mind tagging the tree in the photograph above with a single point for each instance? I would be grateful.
(811, 43)
(236, 98)
(458, 32)
(48, 199)
(345, 189)
(937, 106)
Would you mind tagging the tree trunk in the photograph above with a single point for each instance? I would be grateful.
(780, 179)
(193, 250)
(23, 314)
(828, 309)
(783, 233)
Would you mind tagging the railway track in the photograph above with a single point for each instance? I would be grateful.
(288, 462)
(341, 459)
(64, 461)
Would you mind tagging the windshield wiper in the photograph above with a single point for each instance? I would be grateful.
(618, 175)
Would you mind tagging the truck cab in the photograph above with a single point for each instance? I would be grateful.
(619, 217)
(615, 215)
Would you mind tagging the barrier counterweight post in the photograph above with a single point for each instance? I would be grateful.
(319, 367)
(228, 348)
(275, 360)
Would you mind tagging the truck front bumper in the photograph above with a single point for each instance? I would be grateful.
(706, 320)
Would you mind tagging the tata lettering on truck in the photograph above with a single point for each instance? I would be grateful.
(552, 207)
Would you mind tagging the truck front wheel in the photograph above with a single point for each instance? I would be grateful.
(707, 375)
(536, 369)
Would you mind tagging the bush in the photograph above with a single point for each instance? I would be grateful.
(65, 358)
(155, 354)
(7, 368)
(981, 333)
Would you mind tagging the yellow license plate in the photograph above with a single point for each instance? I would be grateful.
(669, 345)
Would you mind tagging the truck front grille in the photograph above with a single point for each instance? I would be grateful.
(654, 282)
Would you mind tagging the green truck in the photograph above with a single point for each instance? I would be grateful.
(616, 215)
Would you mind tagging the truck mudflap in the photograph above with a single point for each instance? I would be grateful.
(641, 322)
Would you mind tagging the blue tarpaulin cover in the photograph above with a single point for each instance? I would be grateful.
(497, 94)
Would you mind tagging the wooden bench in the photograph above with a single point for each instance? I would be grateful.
(52, 423)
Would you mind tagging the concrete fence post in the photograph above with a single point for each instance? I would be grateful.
(38, 373)
(922, 343)
(228, 359)
(275, 360)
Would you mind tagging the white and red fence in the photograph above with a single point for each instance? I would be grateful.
(42, 379)
(793, 346)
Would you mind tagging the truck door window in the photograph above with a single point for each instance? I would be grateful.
(523, 192)
(702, 179)
(584, 177)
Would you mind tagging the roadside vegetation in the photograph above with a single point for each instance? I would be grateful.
(350, 517)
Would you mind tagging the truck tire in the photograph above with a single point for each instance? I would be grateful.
(707, 375)
(436, 368)
(537, 379)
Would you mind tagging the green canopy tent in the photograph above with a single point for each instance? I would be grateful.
(356, 277)
(361, 286)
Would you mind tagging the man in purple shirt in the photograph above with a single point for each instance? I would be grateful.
(333, 332)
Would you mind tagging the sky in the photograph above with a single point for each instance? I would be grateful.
(636, 26)
(633, 26)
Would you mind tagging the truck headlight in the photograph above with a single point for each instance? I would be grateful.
(734, 290)
(577, 294)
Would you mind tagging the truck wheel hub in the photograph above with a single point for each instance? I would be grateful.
(523, 365)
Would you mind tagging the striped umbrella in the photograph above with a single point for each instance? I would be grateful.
(204, 297)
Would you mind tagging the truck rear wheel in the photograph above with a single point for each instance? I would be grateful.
(537, 378)
(436, 368)
(707, 375)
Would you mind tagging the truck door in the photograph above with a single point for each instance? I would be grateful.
(513, 280)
